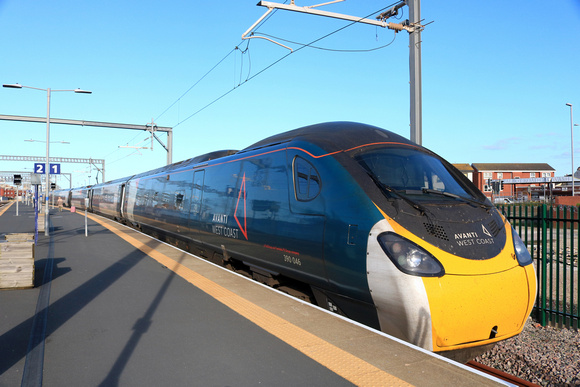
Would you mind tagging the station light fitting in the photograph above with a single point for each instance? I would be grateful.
(19, 86)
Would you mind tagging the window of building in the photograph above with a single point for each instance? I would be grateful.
(532, 174)
(487, 176)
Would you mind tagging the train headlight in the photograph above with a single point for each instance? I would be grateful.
(522, 254)
(409, 257)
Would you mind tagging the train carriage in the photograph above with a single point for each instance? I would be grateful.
(355, 218)
(106, 198)
(78, 196)
(63, 194)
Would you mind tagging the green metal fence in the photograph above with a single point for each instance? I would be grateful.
(551, 234)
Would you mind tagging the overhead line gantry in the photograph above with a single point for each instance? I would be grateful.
(152, 128)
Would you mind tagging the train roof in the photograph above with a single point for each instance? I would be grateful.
(185, 163)
(213, 156)
(330, 136)
(333, 136)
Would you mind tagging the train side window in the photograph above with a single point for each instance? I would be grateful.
(197, 192)
(306, 180)
(179, 195)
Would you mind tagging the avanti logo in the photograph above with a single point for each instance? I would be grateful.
(242, 192)
(486, 232)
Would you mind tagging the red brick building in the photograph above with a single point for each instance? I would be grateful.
(7, 192)
(483, 173)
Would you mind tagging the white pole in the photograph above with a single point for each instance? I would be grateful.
(47, 167)
(86, 224)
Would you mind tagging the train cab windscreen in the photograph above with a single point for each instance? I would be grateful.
(412, 173)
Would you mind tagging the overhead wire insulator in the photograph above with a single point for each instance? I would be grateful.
(398, 27)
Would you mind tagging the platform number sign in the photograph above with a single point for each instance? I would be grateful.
(40, 168)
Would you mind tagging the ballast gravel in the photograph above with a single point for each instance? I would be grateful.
(546, 356)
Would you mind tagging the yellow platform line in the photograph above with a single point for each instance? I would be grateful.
(5, 208)
(344, 364)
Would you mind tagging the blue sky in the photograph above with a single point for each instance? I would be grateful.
(496, 78)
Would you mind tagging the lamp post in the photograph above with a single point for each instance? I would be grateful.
(572, 141)
(47, 166)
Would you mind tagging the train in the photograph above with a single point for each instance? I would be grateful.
(348, 216)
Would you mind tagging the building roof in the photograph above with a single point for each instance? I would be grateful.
(534, 167)
(464, 167)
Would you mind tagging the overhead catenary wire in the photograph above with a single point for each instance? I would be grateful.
(215, 66)
(244, 52)
(136, 151)
(198, 81)
(333, 49)
(249, 78)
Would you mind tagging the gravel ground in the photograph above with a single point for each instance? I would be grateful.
(543, 355)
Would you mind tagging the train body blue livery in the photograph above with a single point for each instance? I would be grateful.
(352, 217)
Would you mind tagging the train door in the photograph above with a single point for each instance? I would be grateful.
(196, 201)
(130, 200)
(308, 214)
(176, 203)
(89, 206)
(121, 202)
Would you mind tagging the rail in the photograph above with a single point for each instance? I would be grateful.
(513, 380)
(551, 234)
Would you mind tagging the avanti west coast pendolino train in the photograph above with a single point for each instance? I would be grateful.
(354, 218)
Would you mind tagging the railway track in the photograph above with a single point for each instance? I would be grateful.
(500, 374)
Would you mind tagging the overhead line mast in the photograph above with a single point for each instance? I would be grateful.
(412, 26)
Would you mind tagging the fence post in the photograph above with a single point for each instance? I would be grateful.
(577, 317)
(544, 246)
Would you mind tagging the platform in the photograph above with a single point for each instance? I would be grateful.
(118, 308)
